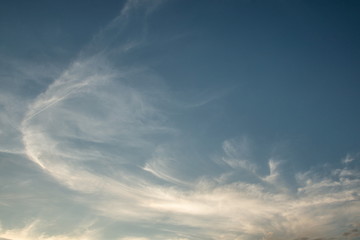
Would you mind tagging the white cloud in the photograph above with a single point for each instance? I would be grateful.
(349, 158)
(33, 231)
(237, 209)
(99, 133)
(134, 238)
(238, 154)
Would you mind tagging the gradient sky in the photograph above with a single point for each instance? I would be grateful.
(180, 120)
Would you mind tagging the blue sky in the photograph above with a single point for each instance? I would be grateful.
(179, 120)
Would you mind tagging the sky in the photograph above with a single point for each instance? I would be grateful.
(179, 120)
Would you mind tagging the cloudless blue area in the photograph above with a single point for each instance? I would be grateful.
(291, 67)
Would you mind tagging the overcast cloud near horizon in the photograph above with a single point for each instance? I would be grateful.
(179, 120)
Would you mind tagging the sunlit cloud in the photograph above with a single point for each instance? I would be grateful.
(33, 231)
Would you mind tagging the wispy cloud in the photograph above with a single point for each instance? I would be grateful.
(99, 133)
(33, 231)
